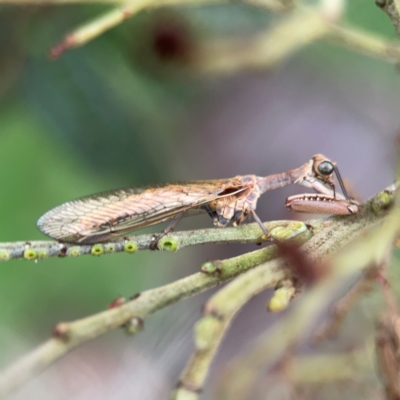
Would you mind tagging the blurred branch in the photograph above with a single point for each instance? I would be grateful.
(266, 50)
(302, 26)
(330, 367)
(219, 311)
(387, 344)
(297, 373)
(392, 9)
(109, 20)
(223, 307)
(347, 266)
(364, 43)
(387, 340)
(273, 5)
(343, 306)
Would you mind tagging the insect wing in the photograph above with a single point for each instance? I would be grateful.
(110, 214)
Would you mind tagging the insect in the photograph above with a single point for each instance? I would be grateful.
(105, 216)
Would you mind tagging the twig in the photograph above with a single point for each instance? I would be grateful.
(301, 27)
(387, 339)
(248, 233)
(387, 342)
(222, 308)
(360, 287)
(70, 335)
(219, 312)
(365, 43)
(285, 291)
(302, 371)
(263, 51)
(392, 9)
(346, 267)
(98, 26)
(266, 50)
(342, 307)
(323, 368)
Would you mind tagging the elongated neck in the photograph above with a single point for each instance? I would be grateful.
(276, 181)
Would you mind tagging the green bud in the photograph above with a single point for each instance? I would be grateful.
(167, 244)
(30, 254)
(130, 247)
(97, 250)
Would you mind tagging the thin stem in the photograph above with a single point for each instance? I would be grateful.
(342, 307)
(365, 43)
(70, 335)
(219, 311)
(327, 240)
(346, 267)
(332, 278)
(36, 250)
(392, 9)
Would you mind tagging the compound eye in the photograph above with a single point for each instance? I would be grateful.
(325, 168)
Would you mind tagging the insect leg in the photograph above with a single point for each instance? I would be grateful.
(259, 222)
(170, 227)
(322, 204)
(210, 212)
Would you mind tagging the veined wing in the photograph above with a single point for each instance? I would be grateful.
(109, 214)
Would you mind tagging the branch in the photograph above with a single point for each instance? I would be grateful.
(266, 50)
(342, 307)
(327, 239)
(298, 372)
(364, 43)
(392, 9)
(301, 27)
(70, 335)
(110, 19)
(347, 266)
(248, 233)
(223, 307)
(219, 312)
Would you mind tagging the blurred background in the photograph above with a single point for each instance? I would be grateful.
(127, 109)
